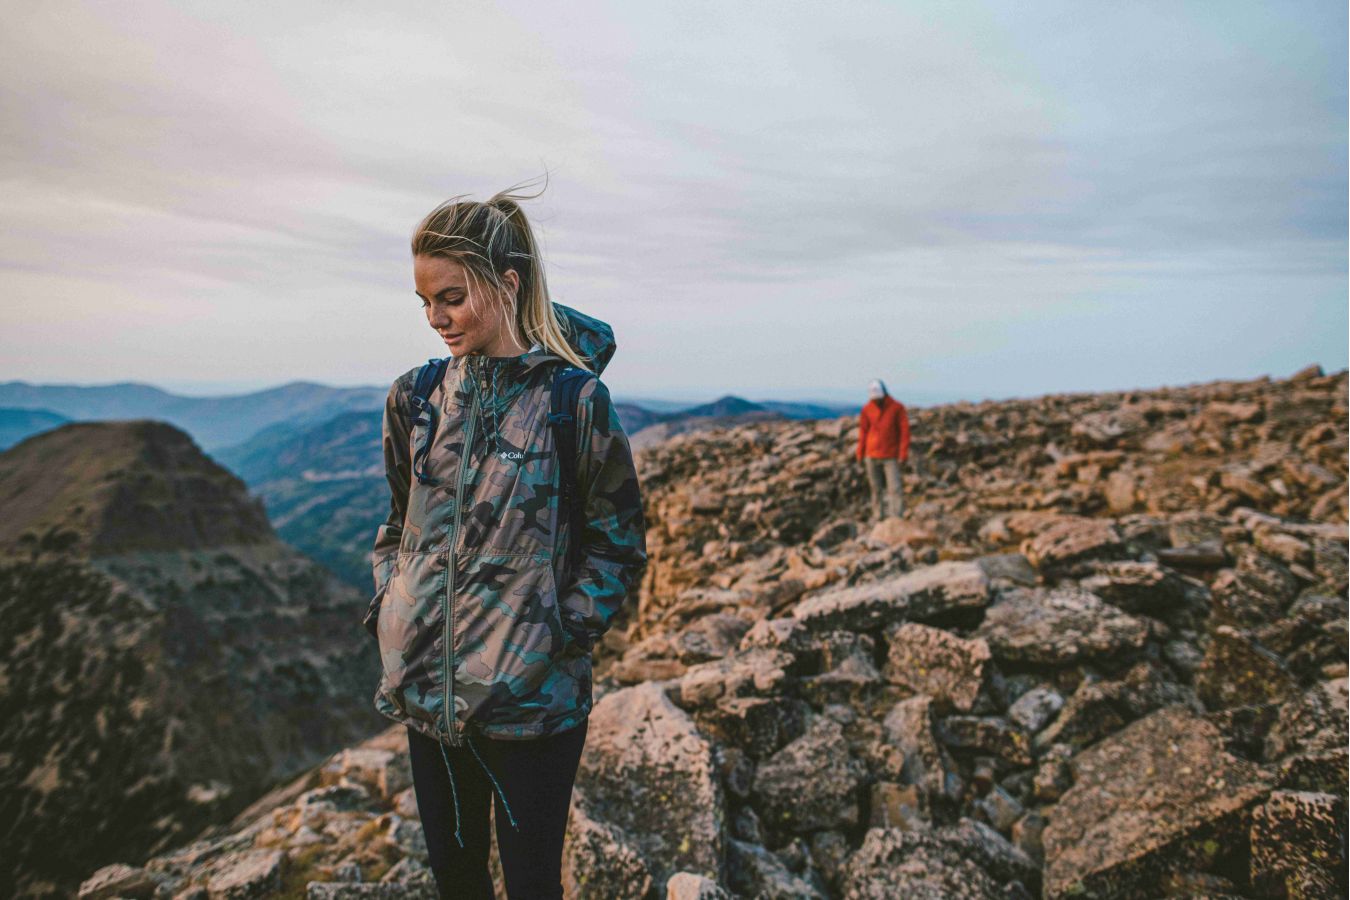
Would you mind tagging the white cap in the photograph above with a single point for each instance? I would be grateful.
(876, 389)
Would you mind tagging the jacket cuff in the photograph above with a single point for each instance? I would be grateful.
(575, 631)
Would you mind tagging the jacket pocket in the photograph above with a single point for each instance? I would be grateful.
(570, 643)
(411, 632)
(384, 573)
(509, 640)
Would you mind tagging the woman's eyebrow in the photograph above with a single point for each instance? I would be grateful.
(441, 293)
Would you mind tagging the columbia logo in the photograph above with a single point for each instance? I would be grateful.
(511, 454)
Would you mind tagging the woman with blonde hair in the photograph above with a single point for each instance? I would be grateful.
(491, 587)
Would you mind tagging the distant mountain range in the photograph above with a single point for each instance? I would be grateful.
(232, 420)
(212, 421)
(312, 453)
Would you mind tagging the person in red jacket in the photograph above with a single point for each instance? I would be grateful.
(883, 444)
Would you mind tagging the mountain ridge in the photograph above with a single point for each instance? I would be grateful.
(165, 658)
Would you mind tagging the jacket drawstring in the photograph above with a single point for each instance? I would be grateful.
(490, 400)
(454, 792)
(510, 817)
(492, 405)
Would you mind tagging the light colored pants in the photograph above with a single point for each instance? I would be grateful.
(892, 487)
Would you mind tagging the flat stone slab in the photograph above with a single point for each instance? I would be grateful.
(916, 595)
(1160, 796)
(1058, 626)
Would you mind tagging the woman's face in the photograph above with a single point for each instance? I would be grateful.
(443, 286)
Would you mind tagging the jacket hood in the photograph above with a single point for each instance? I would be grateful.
(588, 336)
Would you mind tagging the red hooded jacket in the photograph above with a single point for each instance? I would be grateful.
(883, 430)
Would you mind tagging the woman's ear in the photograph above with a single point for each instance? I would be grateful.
(512, 279)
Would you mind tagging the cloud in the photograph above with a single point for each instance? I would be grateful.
(720, 176)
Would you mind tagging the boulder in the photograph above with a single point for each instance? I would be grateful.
(1135, 587)
(117, 880)
(1035, 709)
(647, 772)
(709, 637)
(1310, 637)
(1057, 626)
(244, 876)
(599, 860)
(849, 676)
(1308, 740)
(1239, 601)
(920, 864)
(1159, 796)
(1119, 427)
(811, 783)
(1008, 569)
(692, 886)
(786, 633)
(1238, 671)
(991, 735)
(1099, 708)
(757, 725)
(758, 671)
(924, 762)
(936, 662)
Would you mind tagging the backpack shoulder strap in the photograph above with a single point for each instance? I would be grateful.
(562, 417)
(424, 412)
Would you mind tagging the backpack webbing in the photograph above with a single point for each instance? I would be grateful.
(424, 413)
(567, 385)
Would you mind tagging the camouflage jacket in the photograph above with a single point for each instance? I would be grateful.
(479, 629)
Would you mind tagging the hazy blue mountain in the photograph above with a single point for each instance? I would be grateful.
(731, 405)
(809, 410)
(17, 424)
(792, 409)
(213, 422)
(634, 418)
(723, 406)
(654, 405)
(323, 485)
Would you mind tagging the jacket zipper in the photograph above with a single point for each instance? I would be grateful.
(449, 614)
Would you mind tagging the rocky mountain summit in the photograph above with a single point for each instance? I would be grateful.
(165, 658)
(1102, 655)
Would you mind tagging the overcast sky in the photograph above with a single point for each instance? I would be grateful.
(768, 199)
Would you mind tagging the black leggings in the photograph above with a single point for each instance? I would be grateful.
(535, 776)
